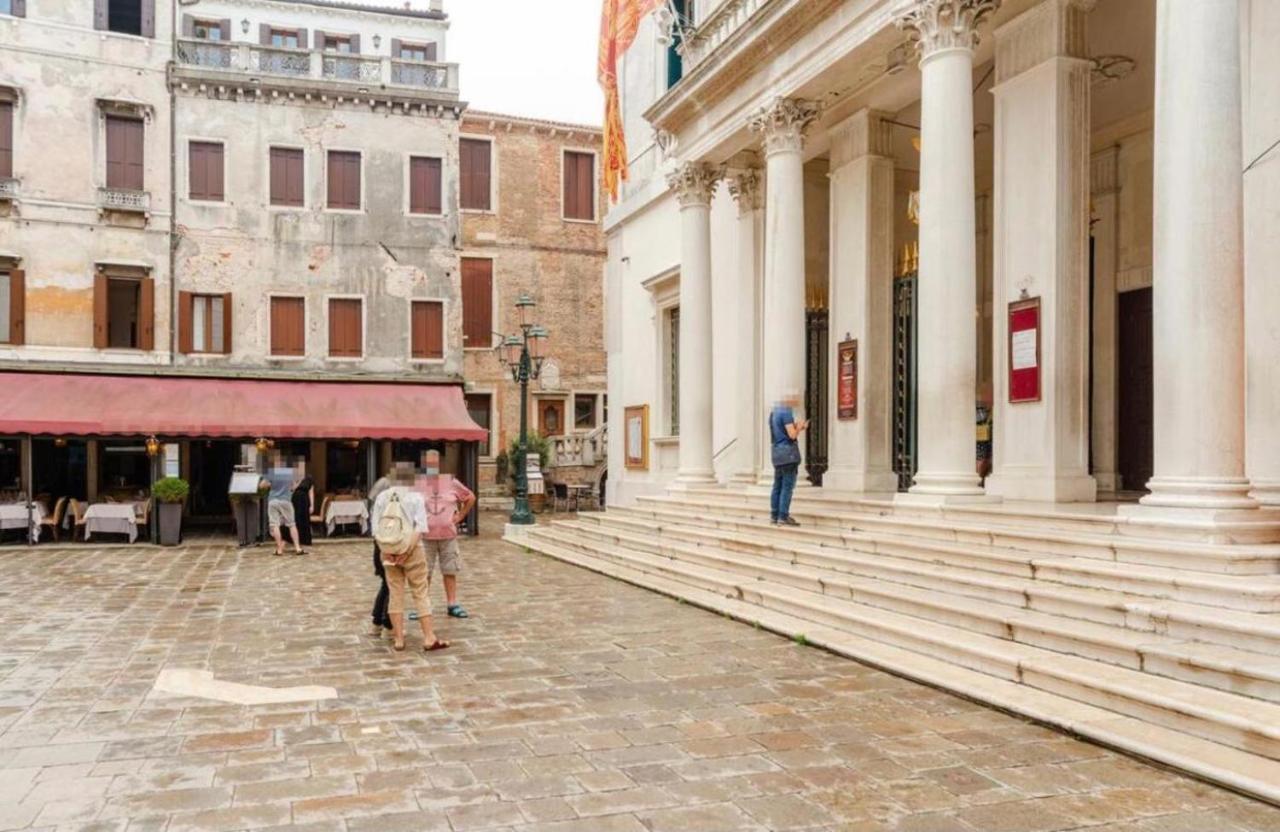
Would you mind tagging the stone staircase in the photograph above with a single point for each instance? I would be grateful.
(1166, 647)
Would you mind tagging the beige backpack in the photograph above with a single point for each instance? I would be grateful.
(394, 531)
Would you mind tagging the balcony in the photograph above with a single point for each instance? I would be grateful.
(9, 188)
(221, 62)
(124, 201)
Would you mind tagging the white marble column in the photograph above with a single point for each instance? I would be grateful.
(1262, 251)
(945, 32)
(1041, 249)
(860, 449)
(1105, 197)
(1198, 283)
(693, 183)
(746, 186)
(782, 125)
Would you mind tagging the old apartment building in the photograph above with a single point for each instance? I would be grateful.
(226, 225)
(531, 207)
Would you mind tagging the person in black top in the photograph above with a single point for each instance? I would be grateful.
(304, 505)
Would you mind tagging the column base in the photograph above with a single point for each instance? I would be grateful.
(751, 477)
(693, 479)
(1265, 492)
(855, 479)
(1043, 487)
(1209, 525)
(1108, 481)
(1212, 493)
(946, 489)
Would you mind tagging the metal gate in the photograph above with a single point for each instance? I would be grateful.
(904, 379)
(815, 399)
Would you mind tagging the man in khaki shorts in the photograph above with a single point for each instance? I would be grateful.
(282, 478)
(448, 502)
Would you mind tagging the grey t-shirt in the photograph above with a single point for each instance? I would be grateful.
(281, 480)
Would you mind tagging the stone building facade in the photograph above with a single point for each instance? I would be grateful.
(540, 235)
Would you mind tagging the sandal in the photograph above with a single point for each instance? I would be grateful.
(301, 552)
(456, 611)
(398, 646)
(435, 645)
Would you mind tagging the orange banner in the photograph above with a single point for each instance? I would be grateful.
(619, 22)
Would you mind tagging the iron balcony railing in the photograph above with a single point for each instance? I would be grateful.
(279, 61)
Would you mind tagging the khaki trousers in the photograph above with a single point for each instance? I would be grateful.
(413, 572)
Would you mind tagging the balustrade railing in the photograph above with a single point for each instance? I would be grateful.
(584, 449)
(124, 199)
(9, 187)
(352, 68)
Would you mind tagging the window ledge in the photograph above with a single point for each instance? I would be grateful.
(426, 361)
(488, 211)
(350, 211)
(344, 359)
(580, 222)
(290, 358)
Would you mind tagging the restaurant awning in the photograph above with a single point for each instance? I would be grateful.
(63, 404)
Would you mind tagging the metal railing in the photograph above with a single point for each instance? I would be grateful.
(330, 66)
(124, 199)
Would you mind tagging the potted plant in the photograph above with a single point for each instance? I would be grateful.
(539, 445)
(170, 493)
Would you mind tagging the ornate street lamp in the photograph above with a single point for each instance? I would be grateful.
(523, 355)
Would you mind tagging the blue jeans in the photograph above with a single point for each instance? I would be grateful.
(784, 483)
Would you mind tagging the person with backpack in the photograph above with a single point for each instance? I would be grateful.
(784, 430)
(399, 523)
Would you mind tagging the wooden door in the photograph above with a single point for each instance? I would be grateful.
(551, 417)
(1137, 409)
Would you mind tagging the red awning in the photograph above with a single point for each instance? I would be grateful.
(85, 405)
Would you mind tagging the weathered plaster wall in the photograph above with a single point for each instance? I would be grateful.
(61, 68)
(253, 249)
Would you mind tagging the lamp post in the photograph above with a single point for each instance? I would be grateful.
(523, 355)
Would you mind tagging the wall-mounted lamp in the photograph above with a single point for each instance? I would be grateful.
(244, 25)
(377, 41)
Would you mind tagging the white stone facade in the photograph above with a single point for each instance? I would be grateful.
(1060, 153)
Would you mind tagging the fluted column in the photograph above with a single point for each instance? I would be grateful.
(1198, 294)
(782, 125)
(693, 183)
(746, 186)
(945, 32)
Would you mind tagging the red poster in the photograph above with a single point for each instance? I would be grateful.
(847, 386)
(1024, 351)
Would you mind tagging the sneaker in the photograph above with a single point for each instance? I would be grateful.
(413, 616)
(789, 521)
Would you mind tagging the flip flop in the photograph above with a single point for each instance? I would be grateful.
(456, 611)
(435, 645)
(301, 553)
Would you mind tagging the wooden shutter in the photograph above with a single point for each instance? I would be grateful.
(100, 311)
(477, 303)
(475, 163)
(18, 8)
(224, 29)
(206, 170)
(186, 304)
(317, 39)
(345, 325)
(288, 326)
(355, 44)
(424, 185)
(17, 307)
(431, 51)
(188, 26)
(428, 329)
(124, 153)
(286, 176)
(148, 18)
(579, 187)
(226, 323)
(264, 34)
(146, 314)
(344, 179)
(100, 14)
(395, 47)
(6, 138)
(302, 39)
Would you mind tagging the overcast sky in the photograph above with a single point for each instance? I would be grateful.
(526, 57)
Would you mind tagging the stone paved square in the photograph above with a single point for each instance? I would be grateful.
(569, 701)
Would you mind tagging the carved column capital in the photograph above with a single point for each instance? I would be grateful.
(694, 183)
(935, 25)
(746, 186)
(783, 123)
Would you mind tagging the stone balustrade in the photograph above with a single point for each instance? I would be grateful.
(124, 199)
(717, 28)
(580, 449)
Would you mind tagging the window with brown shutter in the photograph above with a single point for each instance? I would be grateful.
(424, 185)
(124, 153)
(123, 312)
(205, 171)
(286, 38)
(346, 327)
(427, 329)
(413, 51)
(206, 29)
(127, 17)
(13, 302)
(336, 43)
(202, 323)
(579, 186)
(344, 180)
(474, 156)
(17, 8)
(288, 326)
(287, 177)
(6, 139)
(477, 303)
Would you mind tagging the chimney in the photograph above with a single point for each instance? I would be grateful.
(437, 5)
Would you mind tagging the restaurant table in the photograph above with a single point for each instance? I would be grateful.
(111, 518)
(15, 516)
(346, 511)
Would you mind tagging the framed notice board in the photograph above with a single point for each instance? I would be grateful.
(635, 439)
(1024, 350)
(847, 380)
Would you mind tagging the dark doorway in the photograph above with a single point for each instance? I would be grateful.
(212, 463)
(904, 380)
(60, 468)
(1137, 409)
(816, 397)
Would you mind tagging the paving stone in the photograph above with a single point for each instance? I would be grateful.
(785, 812)
(239, 817)
(621, 802)
(484, 816)
(721, 817)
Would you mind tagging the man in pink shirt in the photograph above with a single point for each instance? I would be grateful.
(448, 502)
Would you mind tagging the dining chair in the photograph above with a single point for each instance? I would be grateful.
(77, 511)
(54, 521)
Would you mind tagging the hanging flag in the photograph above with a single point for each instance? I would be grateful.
(619, 22)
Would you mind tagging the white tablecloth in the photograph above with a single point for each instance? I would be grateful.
(111, 518)
(346, 511)
(14, 516)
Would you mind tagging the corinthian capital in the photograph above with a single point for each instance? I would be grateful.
(783, 123)
(934, 25)
(694, 182)
(746, 186)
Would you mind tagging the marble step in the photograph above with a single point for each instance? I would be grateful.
(1050, 536)
(1218, 763)
(1255, 593)
(1247, 724)
(1220, 666)
(1255, 632)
